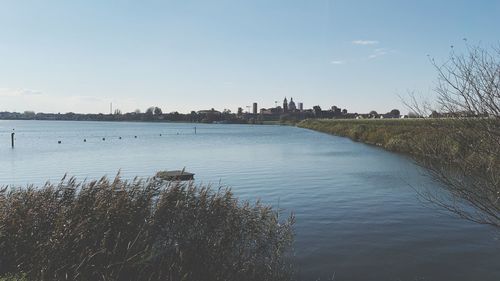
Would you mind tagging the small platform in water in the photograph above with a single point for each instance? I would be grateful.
(175, 175)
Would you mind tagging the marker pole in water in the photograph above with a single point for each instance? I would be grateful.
(195, 130)
(12, 138)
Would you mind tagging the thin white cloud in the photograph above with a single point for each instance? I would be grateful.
(378, 53)
(7, 92)
(19, 100)
(30, 93)
(365, 42)
(337, 62)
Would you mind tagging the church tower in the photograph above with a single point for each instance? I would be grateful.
(285, 105)
(291, 105)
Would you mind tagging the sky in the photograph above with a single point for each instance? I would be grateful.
(80, 56)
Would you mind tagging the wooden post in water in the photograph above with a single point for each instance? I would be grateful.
(195, 130)
(12, 139)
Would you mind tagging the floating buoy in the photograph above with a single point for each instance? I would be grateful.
(59, 142)
(103, 139)
(160, 135)
(135, 136)
(119, 138)
(84, 140)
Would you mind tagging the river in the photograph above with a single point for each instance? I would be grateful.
(357, 210)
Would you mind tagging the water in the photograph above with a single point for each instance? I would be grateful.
(357, 216)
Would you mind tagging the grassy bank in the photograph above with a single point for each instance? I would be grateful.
(463, 154)
(399, 135)
(442, 145)
(139, 230)
(394, 135)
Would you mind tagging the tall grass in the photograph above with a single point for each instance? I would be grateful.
(448, 141)
(140, 230)
(399, 135)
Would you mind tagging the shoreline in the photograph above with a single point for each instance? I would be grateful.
(154, 121)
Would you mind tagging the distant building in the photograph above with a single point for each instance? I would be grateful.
(285, 105)
(209, 111)
(254, 108)
(271, 111)
(301, 106)
(336, 110)
(291, 105)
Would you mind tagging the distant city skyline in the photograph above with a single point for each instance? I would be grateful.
(80, 56)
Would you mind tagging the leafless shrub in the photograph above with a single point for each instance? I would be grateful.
(465, 154)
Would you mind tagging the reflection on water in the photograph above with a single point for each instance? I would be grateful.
(357, 217)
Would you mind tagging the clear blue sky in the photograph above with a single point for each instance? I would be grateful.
(60, 56)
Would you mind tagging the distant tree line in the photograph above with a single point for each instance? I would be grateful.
(152, 114)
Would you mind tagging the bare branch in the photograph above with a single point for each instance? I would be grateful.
(462, 151)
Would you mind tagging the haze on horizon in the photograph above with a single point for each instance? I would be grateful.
(62, 56)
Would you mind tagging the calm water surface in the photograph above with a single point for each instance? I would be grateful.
(357, 216)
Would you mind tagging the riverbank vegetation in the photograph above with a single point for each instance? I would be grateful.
(457, 153)
(139, 230)
(461, 151)
(392, 134)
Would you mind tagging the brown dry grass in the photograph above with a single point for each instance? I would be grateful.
(140, 230)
